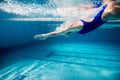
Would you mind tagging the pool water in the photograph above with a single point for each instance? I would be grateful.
(65, 61)
(93, 56)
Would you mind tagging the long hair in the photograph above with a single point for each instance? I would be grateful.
(116, 9)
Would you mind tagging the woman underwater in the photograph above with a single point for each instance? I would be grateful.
(110, 10)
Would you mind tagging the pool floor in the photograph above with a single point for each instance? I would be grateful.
(67, 61)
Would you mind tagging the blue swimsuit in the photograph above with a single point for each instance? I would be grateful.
(90, 26)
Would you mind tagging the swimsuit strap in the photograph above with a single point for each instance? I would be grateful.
(98, 16)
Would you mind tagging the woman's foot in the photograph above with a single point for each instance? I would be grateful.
(40, 36)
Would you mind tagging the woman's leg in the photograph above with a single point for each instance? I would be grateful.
(72, 28)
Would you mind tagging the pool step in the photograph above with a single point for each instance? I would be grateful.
(86, 60)
(109, 57)
(87, 50)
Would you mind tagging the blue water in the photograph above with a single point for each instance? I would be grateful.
(93, 56)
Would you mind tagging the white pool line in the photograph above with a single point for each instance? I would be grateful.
(44, 19)
(35, 19)
(7, 72)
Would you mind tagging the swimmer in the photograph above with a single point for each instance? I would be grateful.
(110, 10)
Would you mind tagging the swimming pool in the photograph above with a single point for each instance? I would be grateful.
(93, 56)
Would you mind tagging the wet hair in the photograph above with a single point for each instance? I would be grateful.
(116, 4)
(117, 8)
